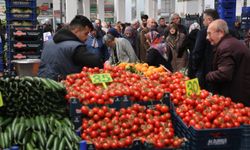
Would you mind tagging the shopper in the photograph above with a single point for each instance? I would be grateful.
(202, 53)
(230, 75)
(144, 41)
(66, 53)
(175, 40)
(120, 50)
(159, 54)
(176, 19)
(95, 44)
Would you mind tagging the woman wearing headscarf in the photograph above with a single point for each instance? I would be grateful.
(160, 54)
(174, 41)
(130, 36)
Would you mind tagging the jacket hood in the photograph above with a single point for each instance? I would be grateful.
(65, 35)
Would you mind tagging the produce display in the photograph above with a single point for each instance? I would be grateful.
(137, 87)
(108, 128)
(212, 111)
(32, 96)
(39, 132)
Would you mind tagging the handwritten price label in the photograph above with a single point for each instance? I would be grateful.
(101, 78)
(192, 87)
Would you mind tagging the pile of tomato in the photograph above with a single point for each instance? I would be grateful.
(108, 128)
(136, 87)
(212, 111)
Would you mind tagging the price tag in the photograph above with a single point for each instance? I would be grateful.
(101, 78)
(1, 100)
(192, 87)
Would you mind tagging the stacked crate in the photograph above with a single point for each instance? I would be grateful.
(24, 37)
(245, 18)
(227, 11)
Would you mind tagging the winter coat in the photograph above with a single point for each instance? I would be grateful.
(179, 61)
(201, 60)
(230, 75)
(64, 55)
(124, 51)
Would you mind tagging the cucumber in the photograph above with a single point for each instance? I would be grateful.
(43, 124)
(62, 144)
(56, 143)
(50, 141)
(21, 132)
(29, 146)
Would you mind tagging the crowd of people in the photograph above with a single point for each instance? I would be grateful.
(213, 53)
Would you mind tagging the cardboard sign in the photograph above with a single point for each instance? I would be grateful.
(101, 78)
(192, 87)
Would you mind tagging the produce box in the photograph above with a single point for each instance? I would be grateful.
(205, 139)
(21, 3)
(26, 33)
(245, 138)
(20, 16)
(120, 106)
(26, 47)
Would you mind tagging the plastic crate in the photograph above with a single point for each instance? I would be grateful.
(227, 13)
(26, 48)
(20, 3)
(245, 138)
(21, 16)
(20, 34)
(206, 139)
(1, 65)
(227, 5)
(223, 1)
(18, 23)
(245, 10)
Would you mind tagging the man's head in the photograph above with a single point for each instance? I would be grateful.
(144, 19)
(216, 31)
(109, 40)
(175, 18)
(209, 15)
(81, 26)
(151, 23)
(98, 23)
(162, 22)
(135, 24)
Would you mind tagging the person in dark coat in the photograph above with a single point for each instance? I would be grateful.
(66, 53)
(159, 54)
(202, 53)
(189, 42)
(230, 74)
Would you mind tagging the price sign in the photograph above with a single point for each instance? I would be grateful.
(1, 100)
(101, 78)
(192, 87)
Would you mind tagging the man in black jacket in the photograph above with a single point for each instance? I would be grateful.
(66, 53)
(202, 53)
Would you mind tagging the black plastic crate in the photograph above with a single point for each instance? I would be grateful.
(18, 23)
(245, 138)
(21, 16)
(20, 34)
(27, 49)
(206, 139)
(21, 3)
